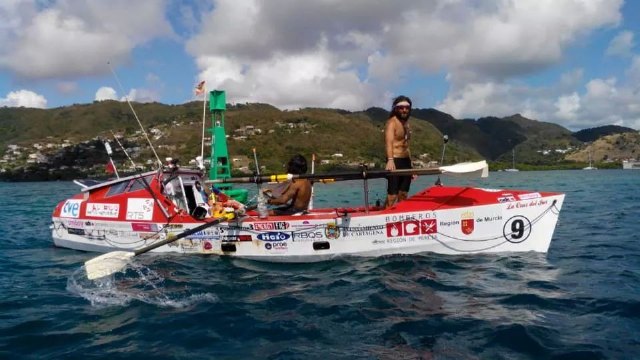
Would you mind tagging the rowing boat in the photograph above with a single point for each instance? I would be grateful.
(158, 211)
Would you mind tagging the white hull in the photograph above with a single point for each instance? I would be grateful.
(517, 225)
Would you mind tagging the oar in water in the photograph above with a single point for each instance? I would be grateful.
(471, 168)
(109, 263)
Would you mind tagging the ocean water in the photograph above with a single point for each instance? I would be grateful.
(579, 301)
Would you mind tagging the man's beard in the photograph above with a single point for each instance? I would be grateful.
(403, 116)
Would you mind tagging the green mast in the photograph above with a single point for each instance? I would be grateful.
(220, 167)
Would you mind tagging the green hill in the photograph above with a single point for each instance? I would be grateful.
(71, 137)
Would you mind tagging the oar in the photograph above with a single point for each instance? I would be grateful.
(479, 167)
(109, 263)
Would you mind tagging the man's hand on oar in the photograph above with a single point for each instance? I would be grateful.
(112, 262)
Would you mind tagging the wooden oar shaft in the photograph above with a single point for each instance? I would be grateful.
(171, 239)
(369, 174)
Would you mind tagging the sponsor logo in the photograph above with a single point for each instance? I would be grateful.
(467, 223)
(144, 227)
(236, 237)
(401, 217)
(529, 196)
(331, 231)
(276, 246)
(75, 231)
(277, 225)
(489, 218)
(71, 209)
(307, 235)
(373, 230)
(273, 236)
(103, 210)
(531, 203)
(506, 198)
(204, 234)
(207, 246)
(412, 228)
(78, 224)
(139, 209)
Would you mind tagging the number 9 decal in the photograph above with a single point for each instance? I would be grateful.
(517, 229)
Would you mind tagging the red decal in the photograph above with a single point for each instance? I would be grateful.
(429, 226)
(411, 227)
(142, 227)
(394, 229)
(467, 226)
(244, 237)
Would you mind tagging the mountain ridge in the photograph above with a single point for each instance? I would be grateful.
(357, 135)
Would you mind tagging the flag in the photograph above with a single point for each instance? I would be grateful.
(109, 169)
(200, 88)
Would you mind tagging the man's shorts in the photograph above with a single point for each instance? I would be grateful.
(399, 183)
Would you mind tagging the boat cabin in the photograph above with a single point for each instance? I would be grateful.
(174, 190)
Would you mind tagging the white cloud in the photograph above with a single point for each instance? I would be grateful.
(634, 70)
(141, 95)
(288, 81)
(106, 93)
(330, 53)
(568, 106)
(371, 46)
(599, 102)
(73, 37)
(24, 98)
(138, 95)
(621, 45)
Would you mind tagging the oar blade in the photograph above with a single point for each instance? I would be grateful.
(107, 264)
(468, 169)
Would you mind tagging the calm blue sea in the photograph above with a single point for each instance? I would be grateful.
(579, 301)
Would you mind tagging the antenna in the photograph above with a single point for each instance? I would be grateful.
(123, 149)
(445, 140)
(134, 113)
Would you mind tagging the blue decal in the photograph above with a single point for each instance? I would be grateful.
(273, 236)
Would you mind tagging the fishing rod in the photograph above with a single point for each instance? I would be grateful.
(263, 212)
(109, 153)
(472, 168)
(134, 113)
(313, 171)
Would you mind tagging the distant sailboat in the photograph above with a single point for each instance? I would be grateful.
(590, 167)
(513, 161)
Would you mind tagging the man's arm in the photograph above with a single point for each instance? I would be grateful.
(389, 137)
(287, 195)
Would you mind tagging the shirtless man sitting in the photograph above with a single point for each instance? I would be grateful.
(297, 194)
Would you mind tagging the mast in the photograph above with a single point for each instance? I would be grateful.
(219, 166)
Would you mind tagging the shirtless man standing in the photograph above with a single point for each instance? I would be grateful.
(396, 140)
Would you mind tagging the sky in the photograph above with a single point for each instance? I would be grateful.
(575, 63)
